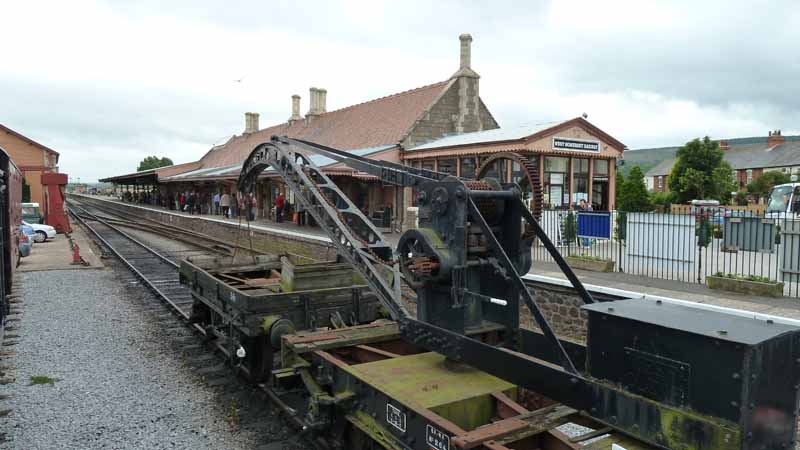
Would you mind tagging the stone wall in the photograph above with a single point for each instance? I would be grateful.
(264, 241)
(454, 111)
(561, 306)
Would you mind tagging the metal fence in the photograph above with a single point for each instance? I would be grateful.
(684, 247)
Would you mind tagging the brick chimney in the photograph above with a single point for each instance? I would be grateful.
(775, 138)
(724, 145)
(468, 118)
(295, 108)
(322, 96)
(313, 102)
(250, 122)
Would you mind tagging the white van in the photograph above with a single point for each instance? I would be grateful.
(784, 201)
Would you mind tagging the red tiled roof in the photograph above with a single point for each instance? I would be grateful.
(382, 121)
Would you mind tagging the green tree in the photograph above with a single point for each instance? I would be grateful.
(153, 162)
(761, 186)
(663, 200)
(700, 172)
(633, 196)
(724, 182)
(620, 187)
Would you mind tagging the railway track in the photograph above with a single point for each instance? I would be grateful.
(159, 273)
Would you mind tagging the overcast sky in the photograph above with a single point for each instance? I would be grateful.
(108, 83)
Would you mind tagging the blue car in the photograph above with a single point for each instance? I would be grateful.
(28, 230)
(25, 245)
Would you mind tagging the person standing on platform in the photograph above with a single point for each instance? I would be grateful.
(225, 203)
(279, 208)
(216, 203)
(190, 203)
(253, 207)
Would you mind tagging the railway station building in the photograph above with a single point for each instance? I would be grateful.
(33, 160)
(576, 160)
(444, 125)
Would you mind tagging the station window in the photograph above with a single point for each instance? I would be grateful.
(749, 176)
(428, 164)
(556, 181)
(468, 167)
(600, 167)
(447, 166)
(580, 169)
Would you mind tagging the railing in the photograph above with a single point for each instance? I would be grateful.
(683, 247)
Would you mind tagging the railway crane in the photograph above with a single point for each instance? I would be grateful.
(462, 372)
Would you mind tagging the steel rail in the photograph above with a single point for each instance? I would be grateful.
(165, 297)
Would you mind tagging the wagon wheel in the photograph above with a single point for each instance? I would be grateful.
(524, 172)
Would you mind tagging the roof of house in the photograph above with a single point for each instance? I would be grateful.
(28, 140)
(747, 153)
(514, 134)
(379, 122)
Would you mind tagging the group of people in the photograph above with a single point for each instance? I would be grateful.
(143, 197)
(222, 203)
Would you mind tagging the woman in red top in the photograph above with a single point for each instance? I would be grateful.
(279, 208)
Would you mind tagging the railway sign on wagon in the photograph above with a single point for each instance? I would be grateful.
(436, 438)
(396, 417)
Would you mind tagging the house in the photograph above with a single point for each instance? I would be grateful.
(749, 157)
(32, 158)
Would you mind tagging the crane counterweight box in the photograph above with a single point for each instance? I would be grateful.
(721, 365)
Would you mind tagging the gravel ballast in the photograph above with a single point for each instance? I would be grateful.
(118, 384)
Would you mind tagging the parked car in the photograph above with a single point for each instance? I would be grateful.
(42, 232)
(25, 245)
(28, 231)
(31, 213)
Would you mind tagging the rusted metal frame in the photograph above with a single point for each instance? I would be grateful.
(556, 255)
(490, 432)
(506, 407)
(503, 259)
(540, 421)
(325, 340)
(382, 354)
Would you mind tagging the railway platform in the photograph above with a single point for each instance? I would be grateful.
(631, 284)
(58, 254)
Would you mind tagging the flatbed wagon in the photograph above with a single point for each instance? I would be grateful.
(248, 303)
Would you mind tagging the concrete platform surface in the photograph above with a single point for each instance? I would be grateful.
(56, 254)
(694, 292)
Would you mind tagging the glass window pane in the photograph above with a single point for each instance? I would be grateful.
(468, 167)
(556, 164)
(427, 164)
(447, 166)
(580, 166)
(601, 167)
